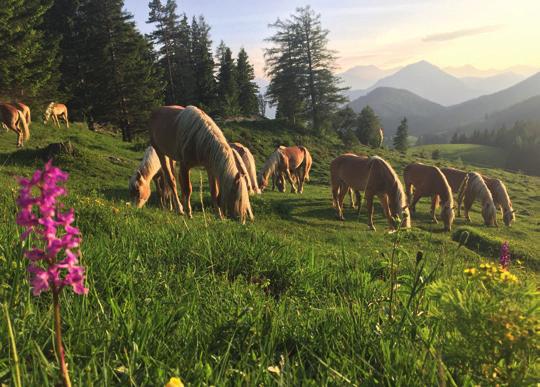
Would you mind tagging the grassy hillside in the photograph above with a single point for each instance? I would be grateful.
(296, 297)
(478, 155)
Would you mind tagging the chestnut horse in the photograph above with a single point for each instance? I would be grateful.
(375, 177)
(497, 188)
(139, 184)
(55, 110)
(472, 188)
(293, 163)
(24, 109)
(429, 181)
(192, 138)
(249, 162)
(14, 119)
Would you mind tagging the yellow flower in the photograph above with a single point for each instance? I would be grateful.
(470, 271)
(509, 336)
(508, 277)
(274, 370)
(116, 210)
(175, 382)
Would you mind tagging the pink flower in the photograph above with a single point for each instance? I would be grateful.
(504, 257)
(53, 232)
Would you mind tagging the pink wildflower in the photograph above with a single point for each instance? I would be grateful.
(504, 257)
(52, 229)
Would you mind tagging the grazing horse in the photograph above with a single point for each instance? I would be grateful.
(375, 177)
(429, 181)
(139, 184)
(474, 187)
(55, 110)
(501, 199)
(192, 138)
(249, 162)
(14, 119)
(293, 163)
(25, 109)
(454, 177)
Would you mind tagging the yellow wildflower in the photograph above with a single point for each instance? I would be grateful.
(274, 370)
(470, 271)
(175, 382)
(509, 336)
(508, 277)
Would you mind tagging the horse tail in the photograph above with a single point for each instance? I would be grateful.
(461, 192)
(308, 161)
(26, 129)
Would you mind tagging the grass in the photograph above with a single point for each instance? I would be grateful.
(478, 155)
(217, 303)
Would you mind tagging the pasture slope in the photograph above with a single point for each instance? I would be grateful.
(295, 298)
(470, 154)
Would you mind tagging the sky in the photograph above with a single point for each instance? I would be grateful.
(488, 34)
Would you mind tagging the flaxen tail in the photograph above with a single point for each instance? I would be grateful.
(308, 161)
(461, 193)
(26, 129)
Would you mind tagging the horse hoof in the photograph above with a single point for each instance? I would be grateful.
(372, 227)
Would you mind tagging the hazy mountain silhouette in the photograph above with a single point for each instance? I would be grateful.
(492, 84)
(362, 77)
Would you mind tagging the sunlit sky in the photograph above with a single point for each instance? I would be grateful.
(387, 33)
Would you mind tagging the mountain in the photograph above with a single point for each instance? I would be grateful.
(492, 84)
(471, 71)
(362, 77)
(391, 105)
(429, 82)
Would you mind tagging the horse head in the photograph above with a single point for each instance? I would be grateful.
(489, 213)
(238, 206)
(139, 189)
(509, 217)
(48, 112)
(447, 216)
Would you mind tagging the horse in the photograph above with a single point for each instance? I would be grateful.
(192, 138)
(454, 177)
(55, 110)
(14, 119)
(249, 161)
(139, 183)
(428, 180)
(474, 187)
(501, 199)
(292, 162)
(24, 109)
(375, 177)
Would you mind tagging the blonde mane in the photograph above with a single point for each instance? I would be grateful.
(49, 110)
(475, 187)
(450, 200)
(501, 198)
(148, 167)
(398, 193)
(202, 139)
(271, 164)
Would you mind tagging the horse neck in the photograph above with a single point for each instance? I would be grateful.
(501, 197)
(150, 165)
(270, 165)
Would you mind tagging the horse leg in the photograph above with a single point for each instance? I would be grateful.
(171, 181)
(300, 180)
(342, 191)
(187, 189)
(214, 193)
(66, 119)
(416, 197)
(467, 204)
(290, 179)
(358, 196)
(434, 205)
(369, 206)
(383, 198)
(55, 120)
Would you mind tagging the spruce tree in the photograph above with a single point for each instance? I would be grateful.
(28, 63)
(401, 141)
(262, 104)
(227, 87)
(184, 80)
(203, 65)
(368, 125)
(247, 88)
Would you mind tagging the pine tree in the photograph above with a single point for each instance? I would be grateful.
(122, 82)
(401, 139)
(227, 86)
(368, 127)
(262, 104)
(28, 63)
(247, 89)
(166, 20)
(203, 65)
(455, 138)
(300, 68)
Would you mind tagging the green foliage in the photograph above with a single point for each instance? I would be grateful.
(436, 154)
(247, 89)
(227, 85)
(368, 127)
(401, 139)
(203, 65)
(29, 61)
(300, 69)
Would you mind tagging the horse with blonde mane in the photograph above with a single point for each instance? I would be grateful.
(25, 109)
(501, 199)
(55, 110)
(293, 163)
(249, 162)
(139, 183)
(192, 138)
(427, 180)
(375, 177)
(15, 120)
(474, 188)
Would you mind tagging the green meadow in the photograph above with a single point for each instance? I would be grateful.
(294, 298)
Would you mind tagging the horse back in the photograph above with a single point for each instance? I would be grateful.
(350, 169)
(454, 177)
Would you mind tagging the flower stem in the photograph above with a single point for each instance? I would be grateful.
(58, 336)
(13, 348)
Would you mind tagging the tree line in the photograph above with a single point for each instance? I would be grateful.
(90, 55)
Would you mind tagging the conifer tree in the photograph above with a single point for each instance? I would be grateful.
(184, 80)
(227, 87)
(203, 65)
(401, 139)
(28, 62)
(368, 127)
(247, 88)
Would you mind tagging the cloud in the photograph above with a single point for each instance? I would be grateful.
(451, 35)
